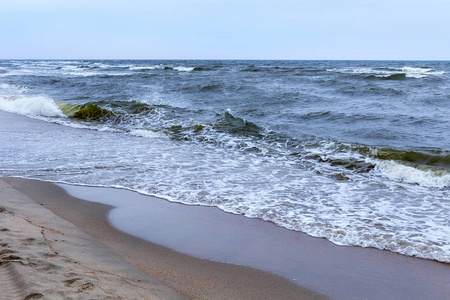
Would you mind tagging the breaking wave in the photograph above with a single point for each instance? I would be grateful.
(88, 112)
(428, 168)
(429, 177)
(389, 73)
(161, 67)
(30, 106)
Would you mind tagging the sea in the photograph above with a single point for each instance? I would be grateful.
(357, 152)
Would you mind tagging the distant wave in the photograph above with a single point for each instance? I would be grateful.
(251, 70)
(397, 76)
(389, 72)
(210, 87)
(161, 67)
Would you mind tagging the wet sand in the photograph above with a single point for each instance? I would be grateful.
(208, 233)
(176, 273)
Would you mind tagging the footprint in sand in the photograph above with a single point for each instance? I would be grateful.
(34, 296)
(79, 283)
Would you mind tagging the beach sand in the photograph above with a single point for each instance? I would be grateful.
(44, 256)
(205, 232)
(55, 246)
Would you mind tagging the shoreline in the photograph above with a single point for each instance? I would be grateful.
(45, 256)
(340, 272)
(193, 278)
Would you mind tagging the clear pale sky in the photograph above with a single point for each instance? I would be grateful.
(225, 29)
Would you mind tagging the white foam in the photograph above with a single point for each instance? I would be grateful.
(96, 73)
(386, 72)
(420, 72)
(12, 89)
(161, 67)
(30, 106)
(105, 66)
(184, 69)
(145, 133)
(156, 67)
(397, 171)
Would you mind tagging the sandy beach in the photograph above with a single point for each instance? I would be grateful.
(45, 256)
(160, 272)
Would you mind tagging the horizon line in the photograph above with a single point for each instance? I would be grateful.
(230, 59)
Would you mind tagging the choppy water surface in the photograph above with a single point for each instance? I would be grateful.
(357, 152)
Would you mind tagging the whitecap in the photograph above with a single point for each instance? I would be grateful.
(30, 106)
(409, 174)
(381, 72)
(184, 69)
(145, 68)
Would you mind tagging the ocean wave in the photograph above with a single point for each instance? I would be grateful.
(156, 67)
(184, 69)
(68, 71)
(210, 87)
(389, 72)
(88, 112)
(227, 122)
(30, 106)
(226, 131)
(98, 73)
(411, 167)
(12, 89)
(231, 131)
(163, 119)
(396, 76)
(161, 67)
(427, 168)
(251, 70)
(432, 158)
(204, 68)
(425, 177)
(426, 157)
(125, 113)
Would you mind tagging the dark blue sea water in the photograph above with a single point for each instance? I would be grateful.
(354, 151)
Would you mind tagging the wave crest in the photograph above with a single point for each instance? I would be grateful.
(88, 112)
(389, 73)
(162, 67)
(30, 106)
(426, 177)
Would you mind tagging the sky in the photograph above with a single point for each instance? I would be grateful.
(225, 29)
